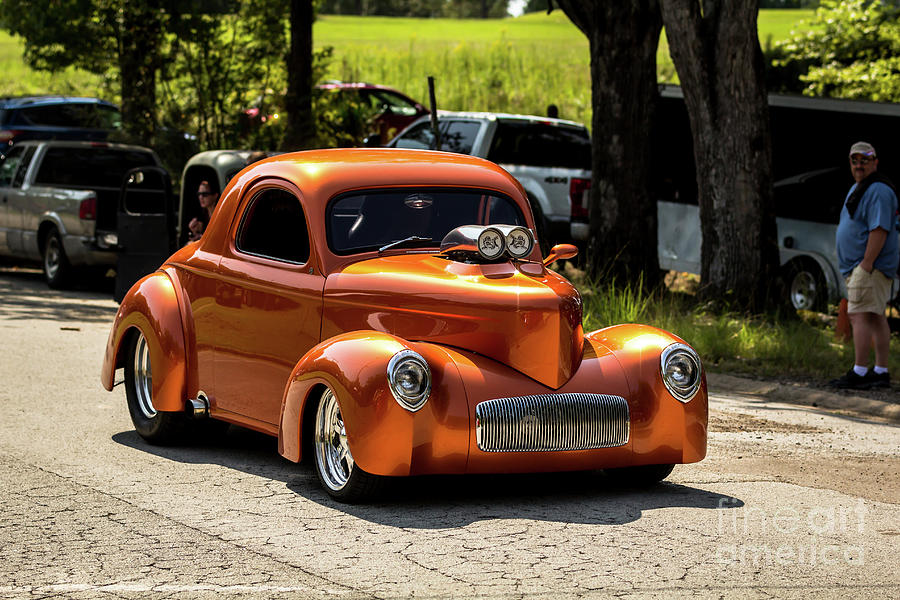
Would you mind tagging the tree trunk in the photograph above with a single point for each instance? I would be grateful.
(623, 37)
(139, 39)
(300, 133)
(719, 61)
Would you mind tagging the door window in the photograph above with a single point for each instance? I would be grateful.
(274, 226)
(8, 165)
(460, 136)
(419, 137)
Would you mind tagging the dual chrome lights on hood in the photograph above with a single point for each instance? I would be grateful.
(681, 371)
(489, 242)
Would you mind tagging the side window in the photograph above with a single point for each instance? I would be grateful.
(460, 136)
(19, 179)
(8, 165)
(274, 226)
(419, 137)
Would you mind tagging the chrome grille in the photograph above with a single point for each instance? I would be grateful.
(551, 422)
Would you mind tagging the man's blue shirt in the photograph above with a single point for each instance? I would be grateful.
(877, 208)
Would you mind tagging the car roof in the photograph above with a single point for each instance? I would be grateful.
(492, 116)
(81, 144)
(29, 101)
(320, 175)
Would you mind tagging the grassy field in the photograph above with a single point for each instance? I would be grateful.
(514, 65)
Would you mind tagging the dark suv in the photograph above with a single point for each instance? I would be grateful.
(57, 118)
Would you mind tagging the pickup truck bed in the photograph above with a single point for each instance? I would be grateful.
(59, 203)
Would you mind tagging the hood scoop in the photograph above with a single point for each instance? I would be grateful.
(520, 314)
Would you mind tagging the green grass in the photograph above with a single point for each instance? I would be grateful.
(517, 65)
(764, 346)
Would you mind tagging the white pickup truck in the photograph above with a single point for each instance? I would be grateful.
(551, 158)
(59, 203)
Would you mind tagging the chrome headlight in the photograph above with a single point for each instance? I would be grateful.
(491, 243)
(519, 242)
(680, 367)
(410, 379)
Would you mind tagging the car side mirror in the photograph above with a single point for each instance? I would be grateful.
(560, 252)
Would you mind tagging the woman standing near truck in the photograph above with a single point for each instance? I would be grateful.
(208, 196)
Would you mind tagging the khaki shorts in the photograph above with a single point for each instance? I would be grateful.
(867, 292)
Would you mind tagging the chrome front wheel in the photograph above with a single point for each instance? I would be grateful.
(333, 458)
(339, 474)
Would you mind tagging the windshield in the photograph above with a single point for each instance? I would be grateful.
(363, 221)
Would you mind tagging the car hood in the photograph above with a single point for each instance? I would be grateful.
(522, 314)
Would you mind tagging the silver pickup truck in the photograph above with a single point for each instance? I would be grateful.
(551, 158)
(59, 203)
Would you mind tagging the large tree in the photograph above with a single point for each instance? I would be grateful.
(300, 131)
(623, 39)
(715, 47)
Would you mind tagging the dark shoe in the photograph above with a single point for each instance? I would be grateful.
(877, 380)
(851, 381)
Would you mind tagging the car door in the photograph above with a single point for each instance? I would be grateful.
(13, 168)
(269, 299)
(146, 225)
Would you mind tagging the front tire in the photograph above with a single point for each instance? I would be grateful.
(640, 476)
(156, 427)
(57, 269)
(338, 473)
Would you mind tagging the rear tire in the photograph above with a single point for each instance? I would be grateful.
(641, 476)
(805, 286)
(156, 427)
(57, 270)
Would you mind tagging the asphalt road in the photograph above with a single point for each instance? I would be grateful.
(791, 502)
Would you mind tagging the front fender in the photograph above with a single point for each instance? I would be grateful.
(384, 438)
(663, 429)
(151, 307)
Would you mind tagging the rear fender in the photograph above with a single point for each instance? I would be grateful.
(151, 308)
(663, 429)
(384, 438)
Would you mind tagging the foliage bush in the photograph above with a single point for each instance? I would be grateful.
(849, 49)
(764, 345)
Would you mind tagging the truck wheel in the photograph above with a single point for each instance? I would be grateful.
(806, 287)
(57, 270)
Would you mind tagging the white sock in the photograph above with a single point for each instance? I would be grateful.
(860, 370)
(881, 370)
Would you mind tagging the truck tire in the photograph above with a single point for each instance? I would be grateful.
(805, 285)
(57, 269)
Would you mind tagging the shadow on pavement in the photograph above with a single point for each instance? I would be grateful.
(433, 502)
(25, 295)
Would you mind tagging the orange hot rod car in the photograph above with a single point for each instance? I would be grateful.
(388, 313)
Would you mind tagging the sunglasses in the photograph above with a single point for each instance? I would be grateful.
(860, 161)
(201, 194)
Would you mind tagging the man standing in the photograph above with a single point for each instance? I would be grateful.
(868, 256)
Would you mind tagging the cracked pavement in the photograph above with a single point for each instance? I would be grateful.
(791, 502)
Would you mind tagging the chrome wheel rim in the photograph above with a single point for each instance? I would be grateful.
(52, 257)
(333, 458)
(143, 378)
(803, 290)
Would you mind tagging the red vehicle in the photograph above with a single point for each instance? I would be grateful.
(388, 313)
(394, 110)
